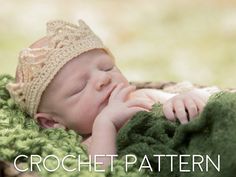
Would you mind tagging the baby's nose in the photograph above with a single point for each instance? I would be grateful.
(103, 81)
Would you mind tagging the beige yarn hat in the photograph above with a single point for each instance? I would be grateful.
(38, 66)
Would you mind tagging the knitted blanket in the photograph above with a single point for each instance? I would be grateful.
(145, 135)
(211, 136)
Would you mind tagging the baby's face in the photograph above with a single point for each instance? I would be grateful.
(81, 90)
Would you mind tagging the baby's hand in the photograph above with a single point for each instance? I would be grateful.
(185, 106)
(120, 109)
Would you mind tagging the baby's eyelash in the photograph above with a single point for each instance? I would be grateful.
(79, 89)
(109, 69)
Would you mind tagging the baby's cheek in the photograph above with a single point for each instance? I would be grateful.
(91, 109)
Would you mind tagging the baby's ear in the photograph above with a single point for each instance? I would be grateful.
(45, 120)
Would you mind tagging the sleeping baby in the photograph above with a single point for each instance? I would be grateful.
(68, 79)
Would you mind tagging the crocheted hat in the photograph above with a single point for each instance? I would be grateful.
(38, 66)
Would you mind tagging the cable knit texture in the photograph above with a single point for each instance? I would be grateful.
(38, 66)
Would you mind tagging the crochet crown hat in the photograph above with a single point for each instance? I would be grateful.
(38, 66)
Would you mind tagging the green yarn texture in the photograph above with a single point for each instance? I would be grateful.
(212, 133)
(20, 135)
(147, 133)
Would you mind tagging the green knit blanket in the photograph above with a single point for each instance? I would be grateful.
(147, 136)
(211, 135)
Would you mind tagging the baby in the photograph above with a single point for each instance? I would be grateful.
(69, 79)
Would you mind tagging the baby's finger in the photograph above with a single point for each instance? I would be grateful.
(134, 110)
(116, 90)
(144, 103)
(130, 112)
(201, 94)
(123, 94)
(169, 111)
(180, 111)
(191, 107)
(200, 104)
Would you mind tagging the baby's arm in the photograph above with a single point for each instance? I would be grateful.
(103, 140)
(111, 119)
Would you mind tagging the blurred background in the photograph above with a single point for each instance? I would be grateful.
(154, 40)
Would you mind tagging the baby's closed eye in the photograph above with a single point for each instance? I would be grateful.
(109, 68)
(106, 66)
(78, 87)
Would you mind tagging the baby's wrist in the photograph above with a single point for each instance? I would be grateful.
(103, 123)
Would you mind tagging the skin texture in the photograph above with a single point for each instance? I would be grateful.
(82, 89)
(91, 96)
